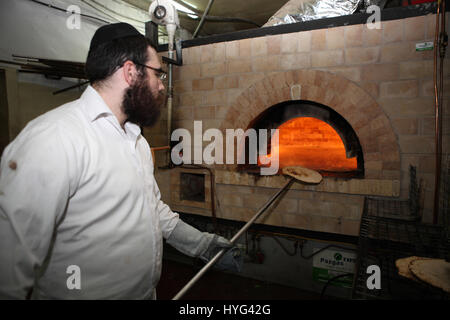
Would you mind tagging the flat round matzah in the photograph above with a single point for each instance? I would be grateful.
(403, 266)
(433, 271)
(303, 174)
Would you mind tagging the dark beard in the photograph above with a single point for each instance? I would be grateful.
(140, 106)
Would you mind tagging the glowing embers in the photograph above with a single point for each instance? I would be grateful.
(311, 143)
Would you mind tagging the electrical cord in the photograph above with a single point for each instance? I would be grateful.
(324, 248)
(284, 249)
(331, 280)
(93, 4)
(299, 241)
(64, 10)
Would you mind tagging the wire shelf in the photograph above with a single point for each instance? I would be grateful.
(390, 230)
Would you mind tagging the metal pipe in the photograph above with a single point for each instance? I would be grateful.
(169, 99)
(436, 104)
(233, 240)
(226, 19)
(439, 49)
(160, 148)
(71, 87)
(200, 24)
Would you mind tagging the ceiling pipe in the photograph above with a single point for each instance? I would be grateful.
(208, 7)
(226, 19)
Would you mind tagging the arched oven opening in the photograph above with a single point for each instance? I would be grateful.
(311, 135)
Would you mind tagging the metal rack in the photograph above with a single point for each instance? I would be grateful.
(389, 230)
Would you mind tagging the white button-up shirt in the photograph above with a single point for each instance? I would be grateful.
(78, 190)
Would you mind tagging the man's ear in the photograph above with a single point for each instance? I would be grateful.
(129, 72)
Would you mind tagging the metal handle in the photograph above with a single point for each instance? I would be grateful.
(233, 240)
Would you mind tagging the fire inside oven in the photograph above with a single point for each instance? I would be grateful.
(311, 135)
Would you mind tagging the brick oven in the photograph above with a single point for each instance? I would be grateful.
(352, 102)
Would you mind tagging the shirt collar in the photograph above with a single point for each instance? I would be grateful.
(132, 129)
(95, 107)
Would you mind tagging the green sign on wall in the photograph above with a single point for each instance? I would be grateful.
(331, 263)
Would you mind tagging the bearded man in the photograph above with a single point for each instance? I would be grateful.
(81, 215)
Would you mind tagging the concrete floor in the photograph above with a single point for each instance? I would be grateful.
(216, 285)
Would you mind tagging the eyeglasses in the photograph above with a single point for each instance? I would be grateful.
(160, 73)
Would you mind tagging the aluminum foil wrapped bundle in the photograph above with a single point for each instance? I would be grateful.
(306, 10)
(326, 9)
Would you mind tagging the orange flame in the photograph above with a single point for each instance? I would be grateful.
(310, 143)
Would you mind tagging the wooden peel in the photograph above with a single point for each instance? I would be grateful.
(302, 174)
(296, 173)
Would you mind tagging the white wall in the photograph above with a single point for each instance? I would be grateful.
(31, 29)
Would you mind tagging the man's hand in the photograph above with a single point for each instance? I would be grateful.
(232, 260)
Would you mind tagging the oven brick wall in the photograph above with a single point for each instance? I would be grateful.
(381, 64)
